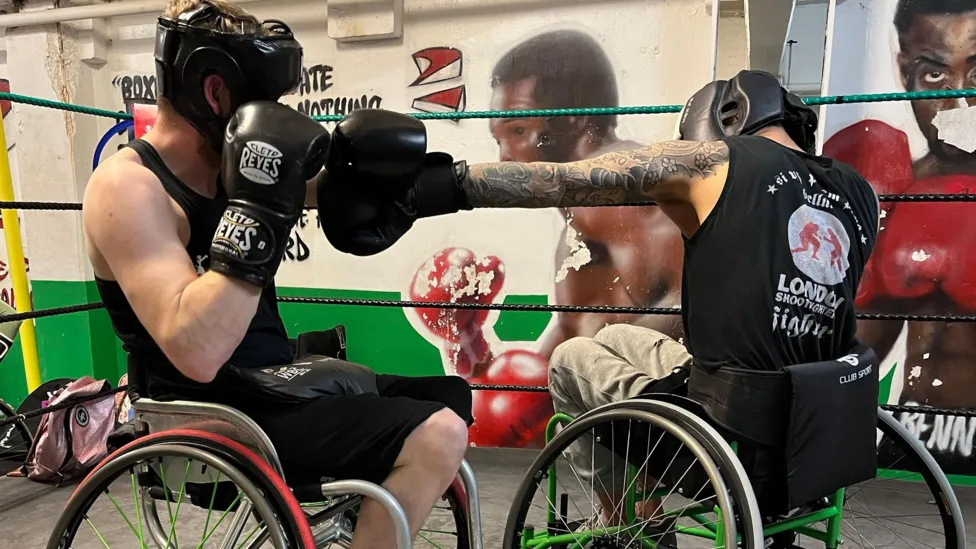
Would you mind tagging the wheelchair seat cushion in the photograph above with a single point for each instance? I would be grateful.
(305, 379)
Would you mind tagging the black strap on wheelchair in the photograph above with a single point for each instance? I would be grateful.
(753, 405)
(330, 343)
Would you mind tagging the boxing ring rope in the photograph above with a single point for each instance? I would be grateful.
(18, 268)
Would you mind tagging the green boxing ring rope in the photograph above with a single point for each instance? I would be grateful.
(541, 113)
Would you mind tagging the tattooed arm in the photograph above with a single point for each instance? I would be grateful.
(656, 172)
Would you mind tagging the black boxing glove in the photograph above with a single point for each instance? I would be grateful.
(270, 151)
(379, 179)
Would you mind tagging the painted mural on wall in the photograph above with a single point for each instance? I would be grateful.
(921, 263)
(627, 256)
(436, 65)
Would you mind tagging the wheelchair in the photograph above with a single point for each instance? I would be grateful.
(211, 469)
(684, 480)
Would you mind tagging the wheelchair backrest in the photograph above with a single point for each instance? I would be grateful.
(815, 423)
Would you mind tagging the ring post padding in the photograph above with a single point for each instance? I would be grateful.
(18, 268)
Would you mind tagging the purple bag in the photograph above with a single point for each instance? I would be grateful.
(70, 442)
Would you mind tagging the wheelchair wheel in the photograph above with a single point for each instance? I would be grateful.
(182, 488)
(909, 504)
(672, 488)
(15, 439)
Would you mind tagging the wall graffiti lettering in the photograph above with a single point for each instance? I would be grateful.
(7, 296)
(439, 64)
(136, 86)
(942, 434)
(315, 79)
(319, 79)
(338, 105)
(297, 249)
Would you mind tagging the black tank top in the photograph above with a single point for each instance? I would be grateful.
(770, 277)
(265, 343)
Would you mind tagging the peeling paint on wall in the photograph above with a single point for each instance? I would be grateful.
(579, 254)
(957, 127)
(61, 67)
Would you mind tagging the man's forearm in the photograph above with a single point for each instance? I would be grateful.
(213, 314)
(614, 178)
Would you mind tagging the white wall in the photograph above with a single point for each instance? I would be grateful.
(808, 28)
(733, 51)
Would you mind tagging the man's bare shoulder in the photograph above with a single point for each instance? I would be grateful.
(122, 193)
(122, 181)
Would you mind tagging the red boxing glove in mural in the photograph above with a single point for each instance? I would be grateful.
(928, 244)
(457, 275)
(877, 151)
(882, 155)
(512, 419)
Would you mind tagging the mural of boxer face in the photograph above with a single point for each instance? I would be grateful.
(553, 70)
(531, 139)
(939, 53)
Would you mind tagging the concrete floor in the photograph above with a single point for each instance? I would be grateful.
(28, 511)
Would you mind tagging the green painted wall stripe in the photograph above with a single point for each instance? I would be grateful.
(522, 325)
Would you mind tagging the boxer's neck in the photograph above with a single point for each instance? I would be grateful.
(185, 152)
(779, 135)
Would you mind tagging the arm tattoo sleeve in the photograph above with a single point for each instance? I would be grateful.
(615, 178)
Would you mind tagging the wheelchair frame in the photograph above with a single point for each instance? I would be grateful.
(712, 528)
(231, 423)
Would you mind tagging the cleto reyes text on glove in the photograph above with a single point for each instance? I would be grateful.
(270, 151)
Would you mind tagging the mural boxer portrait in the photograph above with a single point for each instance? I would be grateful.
(624, 256)
(921, 265)
(620, 256)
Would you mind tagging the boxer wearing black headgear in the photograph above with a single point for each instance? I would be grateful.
(262, 64)
(747, 103)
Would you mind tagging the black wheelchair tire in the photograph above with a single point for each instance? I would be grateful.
(931, 473)
(456, 501)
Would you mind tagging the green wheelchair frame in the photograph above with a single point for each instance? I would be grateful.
(706, 529)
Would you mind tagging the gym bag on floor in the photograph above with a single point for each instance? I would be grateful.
(69, 442)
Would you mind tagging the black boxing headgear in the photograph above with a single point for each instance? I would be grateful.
(750, 101)
(254, 66)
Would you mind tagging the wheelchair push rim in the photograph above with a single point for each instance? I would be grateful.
(430, 536)
(262, 504)
(631, 531)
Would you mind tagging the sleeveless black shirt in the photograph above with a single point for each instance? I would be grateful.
(770, 278)
(150, 372)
